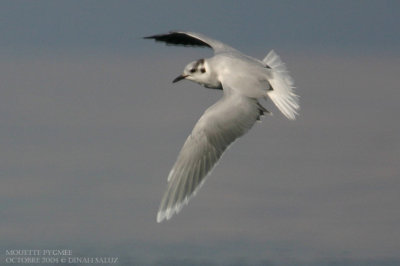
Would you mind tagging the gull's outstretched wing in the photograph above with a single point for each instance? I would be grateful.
(191, 39)
(220, 125)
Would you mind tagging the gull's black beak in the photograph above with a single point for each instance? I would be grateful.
(178, 78)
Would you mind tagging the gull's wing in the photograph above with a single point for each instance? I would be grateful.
(220, 125)
(282, 86)
(191, 39)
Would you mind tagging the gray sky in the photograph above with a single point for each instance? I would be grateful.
(91, 125)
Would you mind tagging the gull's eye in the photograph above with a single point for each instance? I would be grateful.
(192, 70)
(203, 70)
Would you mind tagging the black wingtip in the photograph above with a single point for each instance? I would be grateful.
(178, 38)
(150, 37)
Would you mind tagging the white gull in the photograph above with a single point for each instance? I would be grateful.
(244, 80)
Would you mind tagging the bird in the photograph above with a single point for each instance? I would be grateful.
(244, 81)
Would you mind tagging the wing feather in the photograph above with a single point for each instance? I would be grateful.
(220, 125)
(190, 39)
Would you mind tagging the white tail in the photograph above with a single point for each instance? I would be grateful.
(282, 93)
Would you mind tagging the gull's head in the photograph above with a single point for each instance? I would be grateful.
(199, 72)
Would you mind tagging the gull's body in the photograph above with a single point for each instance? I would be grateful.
(244, 81)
